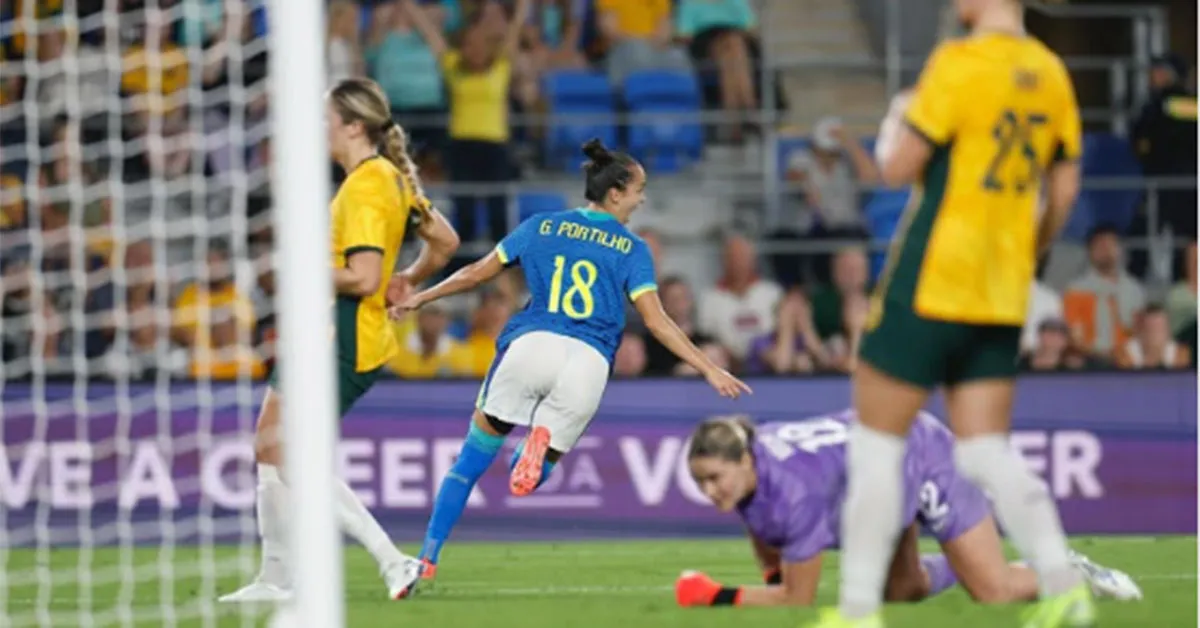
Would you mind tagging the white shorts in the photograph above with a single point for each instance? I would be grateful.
(547, 380)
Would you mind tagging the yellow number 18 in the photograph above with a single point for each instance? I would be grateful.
(583, 277)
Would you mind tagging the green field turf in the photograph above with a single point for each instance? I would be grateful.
(529, 585)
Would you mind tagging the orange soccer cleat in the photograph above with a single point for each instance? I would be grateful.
(527, 473)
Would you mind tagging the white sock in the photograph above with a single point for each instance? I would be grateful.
(358, 523)
(271, 506)
(1023, 506)
(871, 517)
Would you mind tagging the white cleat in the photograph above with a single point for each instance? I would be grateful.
(1105, 582)
(257, 592)
(402, 578)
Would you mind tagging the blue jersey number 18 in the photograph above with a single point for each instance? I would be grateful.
(577, 302)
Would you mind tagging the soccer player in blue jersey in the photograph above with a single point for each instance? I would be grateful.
(554, 357)
(787, 482)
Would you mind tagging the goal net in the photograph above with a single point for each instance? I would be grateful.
(137, 308)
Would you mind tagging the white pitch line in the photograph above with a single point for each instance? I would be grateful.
(475, 588)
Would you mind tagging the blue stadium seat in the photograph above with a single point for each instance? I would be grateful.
(1106, 156)
(533, 203)
(670, 143)
(577, 93)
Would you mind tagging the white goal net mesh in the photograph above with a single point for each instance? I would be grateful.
(137, 297)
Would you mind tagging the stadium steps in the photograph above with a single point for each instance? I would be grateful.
(829, 31)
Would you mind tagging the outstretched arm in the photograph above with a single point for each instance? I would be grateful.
(512, 36)
(798, 587)
(465, 278)
(668, 333)
(429, 32)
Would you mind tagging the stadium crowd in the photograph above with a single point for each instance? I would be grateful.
(126, 142)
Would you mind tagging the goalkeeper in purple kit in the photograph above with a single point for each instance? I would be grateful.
(787, 482)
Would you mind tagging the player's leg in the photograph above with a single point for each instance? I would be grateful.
(562, 416)
(273, 581)
(509, 392)
(485, 437)
(907, 579)
(979, 401)
(977, 559)
(900, 362)
(398, 570)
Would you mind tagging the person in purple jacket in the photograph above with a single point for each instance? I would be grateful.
(787, 481)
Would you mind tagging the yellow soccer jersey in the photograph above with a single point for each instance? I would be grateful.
(999, 110)
(370, 212)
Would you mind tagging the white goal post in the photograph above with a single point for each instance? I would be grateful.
(140, 141)
(301, 178)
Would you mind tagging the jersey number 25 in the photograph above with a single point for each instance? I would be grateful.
(1014, 134)
(577, 301)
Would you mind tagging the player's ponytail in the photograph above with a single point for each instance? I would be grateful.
(725, 437)
(604, 171)
(395, 149)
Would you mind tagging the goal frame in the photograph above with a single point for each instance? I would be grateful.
(301, 184)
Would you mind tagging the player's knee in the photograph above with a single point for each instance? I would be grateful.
(271, 454)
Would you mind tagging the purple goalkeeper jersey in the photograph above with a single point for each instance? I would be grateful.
(801, 469)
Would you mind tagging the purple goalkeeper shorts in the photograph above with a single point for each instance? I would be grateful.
(948, 504)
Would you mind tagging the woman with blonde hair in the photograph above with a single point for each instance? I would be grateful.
(380, 199)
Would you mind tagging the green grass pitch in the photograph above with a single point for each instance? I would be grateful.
(528, 585)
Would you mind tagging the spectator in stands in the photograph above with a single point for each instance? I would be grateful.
(487, 321)
(742, 305)
(792, 347)
(402, 61)
(1100, 306)
(426, 350)
(1152, 346)
(679, 305)
(851, 278)
(842, 347)
(1164, 136)
(830, 175)
(721, 33)
(653, 240)
(1181, 301)
(343, 56)
(639, 37)
(1045, 304)
(155, 70)
(204, 305)
(1051, 349)
(549, 42)
(228, 354)
(91, 73)
(13, 216)
(478, 76)
(31, 327)
(630, 359)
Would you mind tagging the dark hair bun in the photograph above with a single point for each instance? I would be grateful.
(594, 150)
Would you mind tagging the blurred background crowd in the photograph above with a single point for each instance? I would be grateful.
(136, 212)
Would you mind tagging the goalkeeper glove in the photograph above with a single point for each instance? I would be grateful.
(694, 588)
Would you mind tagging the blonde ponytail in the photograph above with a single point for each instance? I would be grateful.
(395, 149)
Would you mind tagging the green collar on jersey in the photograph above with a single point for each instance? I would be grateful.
(595, 215)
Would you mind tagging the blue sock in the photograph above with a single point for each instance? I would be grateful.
(478, 452)
(547, 466)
